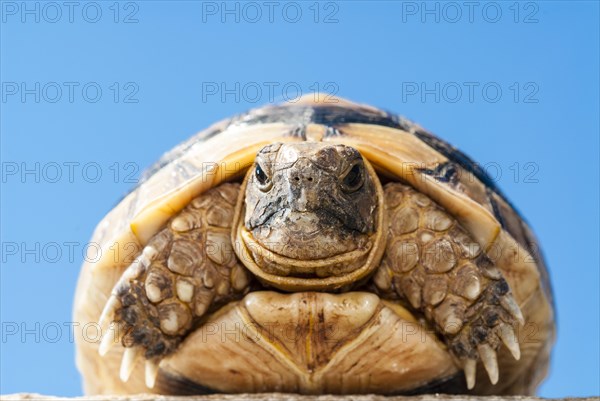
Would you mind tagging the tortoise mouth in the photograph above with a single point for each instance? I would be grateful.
(307, 235)
(273, 267)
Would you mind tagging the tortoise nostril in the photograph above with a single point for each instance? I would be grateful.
(297, 178)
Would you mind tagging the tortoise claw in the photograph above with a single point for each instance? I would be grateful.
(151, 372)
(509, 338)
(490, 361)
(130, 357)
(489, 357)
(511, 307)
(108, 313)
(112, 336)
(470, 369)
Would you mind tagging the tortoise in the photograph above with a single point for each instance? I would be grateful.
(316, 246)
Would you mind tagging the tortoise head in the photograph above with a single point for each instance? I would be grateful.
(310, 217)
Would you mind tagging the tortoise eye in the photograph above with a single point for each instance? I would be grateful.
(261, 178)
(354, 178)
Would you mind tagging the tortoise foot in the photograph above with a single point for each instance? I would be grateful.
(186, 271)
(436, 267)
(145, 316)
(491, 321)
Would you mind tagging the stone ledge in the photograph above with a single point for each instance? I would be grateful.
(280, 397)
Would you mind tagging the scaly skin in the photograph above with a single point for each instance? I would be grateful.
(432, 264)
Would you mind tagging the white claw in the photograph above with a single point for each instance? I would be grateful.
(490, 362)
(130, 357)
(109, 339)
(470, 369)
(132, 272)
(151, 373)
(509, 338)
(108, 313)
(511, 307)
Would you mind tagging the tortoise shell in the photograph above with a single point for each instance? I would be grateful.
(399, 151)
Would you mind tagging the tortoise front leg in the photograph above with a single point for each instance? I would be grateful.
(434, 265)
(185, 271)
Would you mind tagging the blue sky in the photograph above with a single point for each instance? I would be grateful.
(94, 93)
